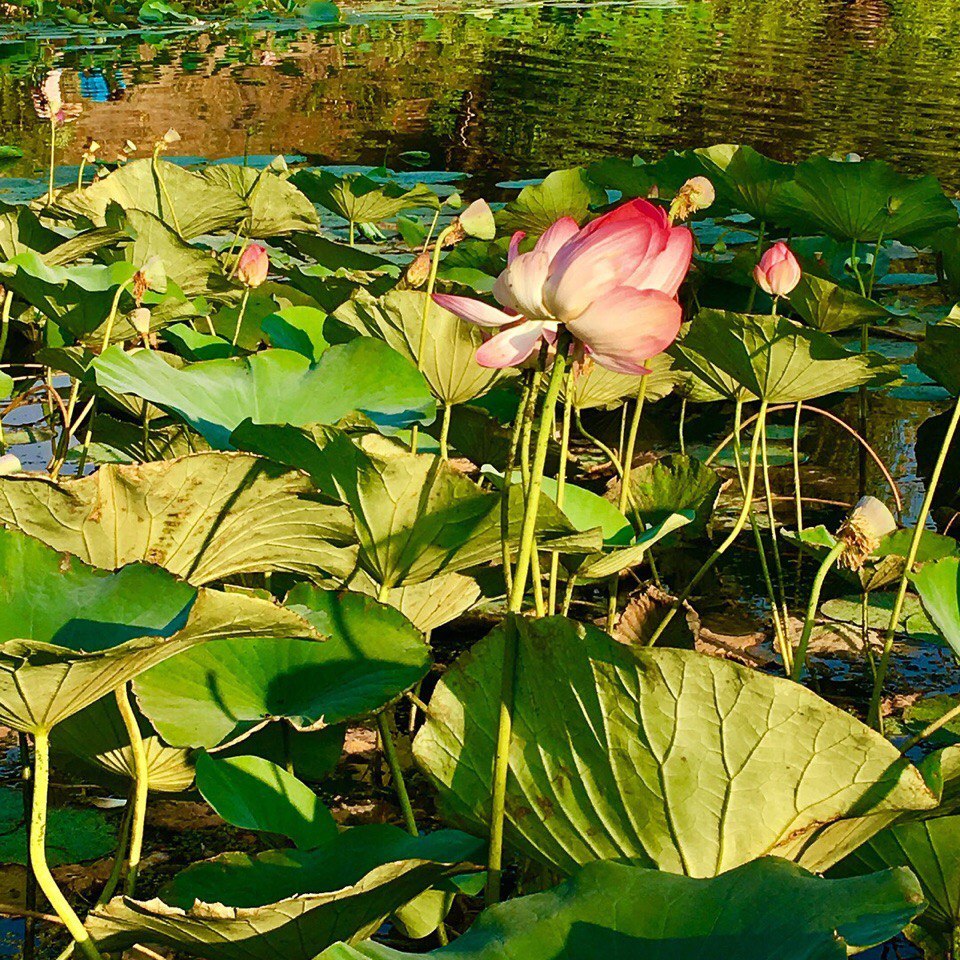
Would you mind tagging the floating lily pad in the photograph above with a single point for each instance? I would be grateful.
(939, 587)
(630, 739)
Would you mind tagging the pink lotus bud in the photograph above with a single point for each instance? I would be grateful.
(778, 271)
(253, 266)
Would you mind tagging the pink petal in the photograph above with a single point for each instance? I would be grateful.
(520, 286)
(586, 268)
(473, 311)
(666, 271)
(626, 327)
(515, 242)
(556, 235)
(634, 210)
(512, 346)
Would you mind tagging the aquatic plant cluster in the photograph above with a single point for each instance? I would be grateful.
(304, 424)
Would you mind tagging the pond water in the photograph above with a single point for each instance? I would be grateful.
(508, 89)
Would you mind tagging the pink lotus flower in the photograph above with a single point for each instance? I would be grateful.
(778, 271)
(48, 101)
(253, 266)
(612, 284)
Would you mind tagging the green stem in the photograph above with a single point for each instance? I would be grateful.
(568, 595)
(112, 317)
(730, 538)
(166, 196)
(683, 423)
(561, 487)
(30, 894)
(863, 411)
(83, 163)
(524, 555)
(353, 233)
(800, 657)
(874, 713)
(761, 233)
(38, 852)
(797, 496)
(120, 857)
(627, 463)
(5, 321)
(141, 787)
(508, 479)
(772, 520)
(396, 772)
(599, 444)
(85, 447)
(445, 430)
(931, 729)
(243, 310)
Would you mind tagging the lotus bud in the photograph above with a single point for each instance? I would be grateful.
(476, 221)
(454, 201)
(170, 137)
(51, 92)
(9, 464)
(253, 265)
(419, 270)
(869, 522)
(696, 194)
(778, 271)
(140, 321)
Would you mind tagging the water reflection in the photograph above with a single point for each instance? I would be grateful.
(509, 89)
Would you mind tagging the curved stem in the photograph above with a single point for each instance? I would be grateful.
(5, 321)
(166, 195)
(561, 487)
(874, 712)
(112, 317)
(599, 444)
(445, 430)
(931, 728)
(141, 787)
(243, 310)
(38, 853)
(524, 555)
(731, 536)
(800, 657)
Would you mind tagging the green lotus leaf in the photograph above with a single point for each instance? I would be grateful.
(195, 345)
(97, 737)
(428, 604)
(287, 903)
(203, 517)
(449, 360)
(276, 206)
(849, 609)
(360, 199)
(939, 587)
(276, 386)
(885, 565)
(829, 307)
(255, 794)
(191, 204)
(563, 193)
(671, 484)
(299, 329)
(220, 692)
(600, 387)
(22, 232)
(416, 516)
(602, 566)
(745, 179)
(866, 201)
(73, 834)
(6, 386)
(312, 755)
(765, 910)
(637, 178)
(97, 629)
(587, 510)
(747, 357)
(939, 354)
(662, 757)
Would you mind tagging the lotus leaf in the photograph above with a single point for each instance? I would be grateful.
(563, 193)
(741, 356)
(299, 329)
(747, 180)
(659, 756)
(939, 354)
(765, 910)
(450, 346)
(637, 178)
(203, 517)
(829, 307)
(360, 199)
(287, 903)
(596, 386)
(428, 604)
(192, 204)
(276, 386)
(939, 587)
(255, 794)
(220, 692)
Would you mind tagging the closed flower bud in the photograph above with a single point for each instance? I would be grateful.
(696, 194)
(778, 271)
(9, 464)
(869, 522)
(253, 266)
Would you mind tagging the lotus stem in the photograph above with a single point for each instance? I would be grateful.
(30, 897)
(53, 159)
(396, 772)
(863, 414)
(874, 716)
(85, 447)
(120, 857)
(141, 787)
(614, 582)
(797, 497)
(445, 430)
(599, 444)
(772, 520)
(522, 413)
(243, 310)
(163, 190)
(112, 317)
(425, 315)
(5, 321)
(352, 236)
(761, 235)
(931, 729)
(561, 487)
(38, 853)
(730, 538)
(683, 422)
(800, 657)
(568, 595)
(524, 555)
